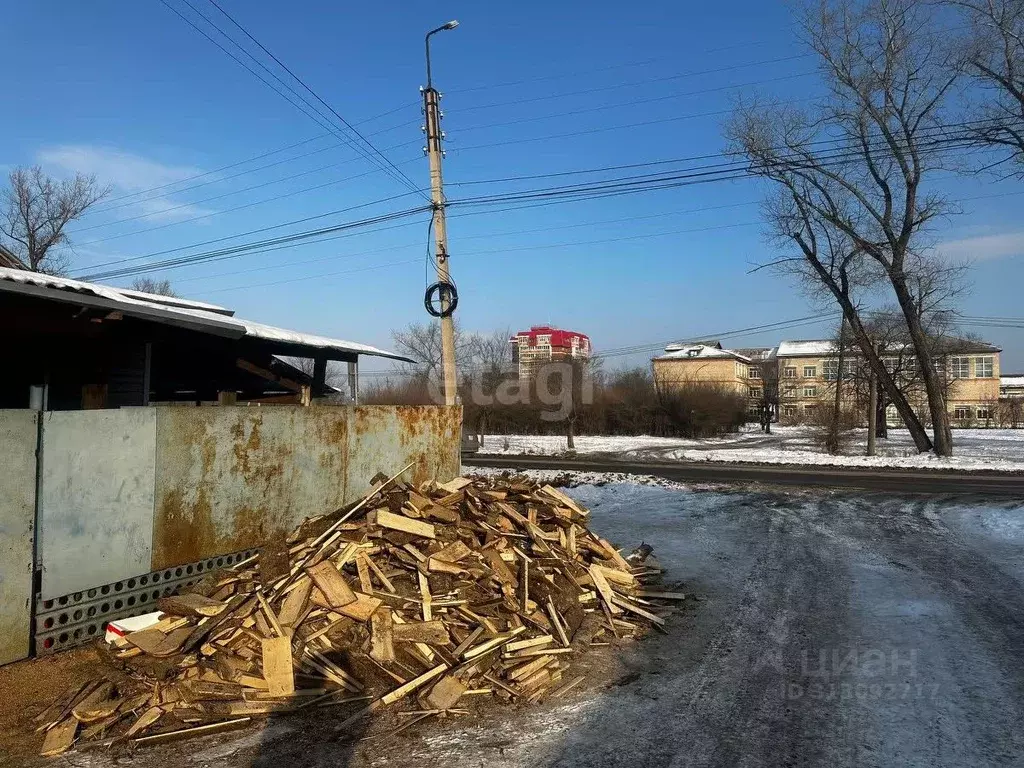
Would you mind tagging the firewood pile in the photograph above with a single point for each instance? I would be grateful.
(435, 597)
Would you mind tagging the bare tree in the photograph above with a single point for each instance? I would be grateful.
(35, 209)
(851, 170)
(995, 58)
(487, 363)
(422, 343)
(150, 285)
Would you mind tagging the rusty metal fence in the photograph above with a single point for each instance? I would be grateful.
(120, 495)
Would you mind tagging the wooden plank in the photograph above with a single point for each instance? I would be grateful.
(362, 608)
(404, 690)
(655, 595)
(633, 608)
(294, 605)
(148, 718)
(59, 738)
(456, 485)
(382, 647)
(602, 586)
(386, 519)
(190, 604)
(331, 584)
(187, 733)
(277, 665)
(533, 642)
(446, 692)
(363, 570)
(429, 632)
(379, 573)
(425, 594)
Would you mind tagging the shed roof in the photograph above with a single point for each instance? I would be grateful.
(196, 316)
(1012, 380)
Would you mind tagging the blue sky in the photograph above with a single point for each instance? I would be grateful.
(133, 94)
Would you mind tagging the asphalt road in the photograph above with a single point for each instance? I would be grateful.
(827, 629)
(942, 482)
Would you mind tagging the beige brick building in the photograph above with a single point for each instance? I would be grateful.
(707, 363)
(805, 372)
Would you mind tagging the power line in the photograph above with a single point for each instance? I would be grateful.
(623, 185)
(645, 81)
(201, 217)
(401, 174)
(303, 105)
(250, 232)
(219, 179)
(239, 249)
(577, 73)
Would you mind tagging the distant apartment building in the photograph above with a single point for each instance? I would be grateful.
(544, 344)
(805, 372)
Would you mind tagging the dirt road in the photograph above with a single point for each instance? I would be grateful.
(830, 630)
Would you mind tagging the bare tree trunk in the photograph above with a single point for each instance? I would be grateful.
(878, 369)
(570, 424)
(943, 438)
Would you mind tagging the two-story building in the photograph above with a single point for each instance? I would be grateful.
(706, 363)
(800, 375)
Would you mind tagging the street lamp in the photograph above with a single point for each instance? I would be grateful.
(450, 25)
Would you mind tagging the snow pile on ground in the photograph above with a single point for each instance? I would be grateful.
(563, 478)
(975, 449)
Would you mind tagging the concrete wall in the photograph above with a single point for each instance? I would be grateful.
(18, 433)
(125, 492)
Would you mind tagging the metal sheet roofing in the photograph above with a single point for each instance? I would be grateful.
(205, 318)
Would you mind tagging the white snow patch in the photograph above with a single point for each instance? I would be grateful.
(974, 449)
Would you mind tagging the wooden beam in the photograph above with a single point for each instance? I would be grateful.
(263, 373)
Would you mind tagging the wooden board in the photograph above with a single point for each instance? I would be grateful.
(382, 646)
(295, 602)
(362, 608)
(59, 738)
(277, 665)
(429, 632)
(331, 584)
(386, 519)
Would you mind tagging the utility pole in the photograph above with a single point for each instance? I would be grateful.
(446, 290)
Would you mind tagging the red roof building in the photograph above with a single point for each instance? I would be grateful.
(543, 344)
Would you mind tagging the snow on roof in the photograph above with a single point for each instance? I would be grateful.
(699, 352)
(175, 301)
(806, 348)
(1012, 380)
(182, 313)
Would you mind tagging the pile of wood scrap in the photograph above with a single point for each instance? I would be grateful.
(436, 596)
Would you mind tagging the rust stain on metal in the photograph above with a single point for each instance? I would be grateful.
(231, 478)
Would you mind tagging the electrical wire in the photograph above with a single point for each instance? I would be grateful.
(400, 174)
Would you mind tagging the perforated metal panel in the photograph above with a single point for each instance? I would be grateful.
(69, 620)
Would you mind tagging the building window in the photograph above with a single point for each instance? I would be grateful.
(810, 371)
(789, 372)
(789, 410)
(830, 369)
(755, 392)
(962, 412)
(984, 412)
(983, 368)
(960, 368)
(753, 372)
(810, 408)
(810, 391)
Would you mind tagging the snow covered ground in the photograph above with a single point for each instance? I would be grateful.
(998, 449)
